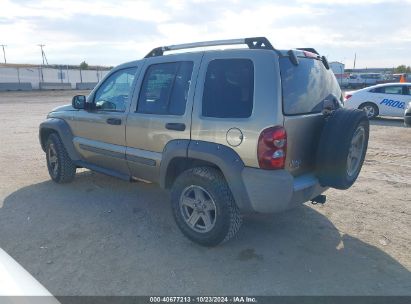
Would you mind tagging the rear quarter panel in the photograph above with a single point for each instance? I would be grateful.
(267, 108)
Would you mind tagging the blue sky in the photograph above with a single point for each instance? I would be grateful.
(112, 32)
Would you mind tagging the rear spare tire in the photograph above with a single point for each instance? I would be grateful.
(342, 148)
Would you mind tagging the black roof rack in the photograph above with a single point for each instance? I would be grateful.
(252, 43)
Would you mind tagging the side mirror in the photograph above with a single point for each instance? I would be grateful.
(79, 102)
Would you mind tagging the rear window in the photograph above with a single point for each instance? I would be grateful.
(306, 86)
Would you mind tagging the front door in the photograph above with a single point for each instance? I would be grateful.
(99, 135)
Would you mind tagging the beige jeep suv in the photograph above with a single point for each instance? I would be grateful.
(229, 132)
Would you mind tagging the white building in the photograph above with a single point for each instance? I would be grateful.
(338, 69)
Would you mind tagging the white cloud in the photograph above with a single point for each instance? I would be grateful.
(350, 2)
(118, 31)
(137, 10)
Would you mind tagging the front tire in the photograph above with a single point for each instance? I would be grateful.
(60, 166)
(203, 206)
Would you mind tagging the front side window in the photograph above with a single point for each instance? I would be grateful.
(113, 94)
(165, 88)
(229, 89)
(377, 90)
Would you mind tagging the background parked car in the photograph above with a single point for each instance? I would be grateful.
(364, 79)
(389, 99)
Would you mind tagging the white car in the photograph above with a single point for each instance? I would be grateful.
(18, 286)
(407, 115)
(388, 99)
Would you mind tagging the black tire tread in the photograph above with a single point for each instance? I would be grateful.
(333, 147)
(218, 185)
(67, 169)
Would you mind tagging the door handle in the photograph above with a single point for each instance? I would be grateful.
(175, 126)
(114, 121)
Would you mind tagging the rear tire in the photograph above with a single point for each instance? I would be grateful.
(342, 148)
(370, 109)
(60, 166)
(203, 206)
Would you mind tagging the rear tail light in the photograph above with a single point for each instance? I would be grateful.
(347, 96)
(272, 148)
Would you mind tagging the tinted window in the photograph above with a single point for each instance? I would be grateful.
(165, 88)
(389, 90)
(306, 86)
(377, 90)
(113, 94)
(229, 88)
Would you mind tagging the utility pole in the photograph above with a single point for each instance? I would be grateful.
(43, 54)
(4, 52)
(43, 57)
(355, 59)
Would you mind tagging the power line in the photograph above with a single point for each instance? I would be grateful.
(4, 52)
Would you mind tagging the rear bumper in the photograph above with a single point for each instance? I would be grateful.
(277, 190)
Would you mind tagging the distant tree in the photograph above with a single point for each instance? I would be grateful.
(402, 69)
(84, 65)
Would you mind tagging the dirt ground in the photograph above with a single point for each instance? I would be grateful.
(102, 236)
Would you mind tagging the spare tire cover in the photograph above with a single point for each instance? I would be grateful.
(342, 148)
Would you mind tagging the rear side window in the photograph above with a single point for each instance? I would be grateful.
(165, 88)
(306, 86)
(229, 89)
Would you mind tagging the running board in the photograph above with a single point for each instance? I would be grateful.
(102, 170)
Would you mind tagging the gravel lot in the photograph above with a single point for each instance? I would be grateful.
(103, 236)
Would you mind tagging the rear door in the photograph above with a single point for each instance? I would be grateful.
(160, 111)
(306, 87)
